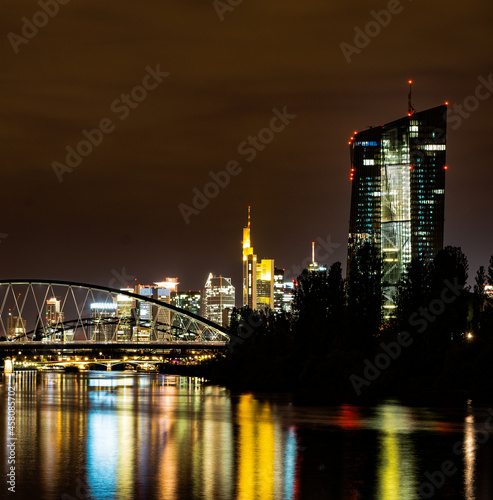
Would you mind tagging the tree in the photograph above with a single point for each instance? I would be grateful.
(412, 292)
(479, 299)
(364, 295)
(490, 272)
(448, 317)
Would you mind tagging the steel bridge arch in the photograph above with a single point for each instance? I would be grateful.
(221, 331)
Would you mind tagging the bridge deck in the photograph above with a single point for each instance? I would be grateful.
(86, 344)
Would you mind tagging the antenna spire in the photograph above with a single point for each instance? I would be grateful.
(248, 215)
(410, 107)
(313, 252)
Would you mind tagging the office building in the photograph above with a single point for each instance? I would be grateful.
(219, 295)
(103, 321)
(125, 311)
(190, 301)
(249, 269)
(397, 193)
(265, 284)
(54, 318)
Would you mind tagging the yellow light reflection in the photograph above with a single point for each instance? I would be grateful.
(396, 469)
(257, 452)
(469, 454)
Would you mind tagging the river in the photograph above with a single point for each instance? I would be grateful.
(123, 436)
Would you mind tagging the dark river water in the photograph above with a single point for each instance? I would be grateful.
(110, 435)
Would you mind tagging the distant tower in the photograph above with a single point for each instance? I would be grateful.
(313, 266)
(249, 269)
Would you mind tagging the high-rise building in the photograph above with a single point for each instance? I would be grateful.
(125, 310)
(155, 322)
(283, 292)
(288, 296)
(219, 294)
(190, 301)
(249, 269)
(398, 191)
(103, 316)
(54, 321)
(278, 289)
(265, 284)
(17, 327)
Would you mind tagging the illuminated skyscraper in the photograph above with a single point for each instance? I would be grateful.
(397, 195)
(190, 301)
(219, 295)
(54, 320)
(125, 309)
(103, 315)
(249, 269)
(265, 284)
(156, 321)
(278, 289)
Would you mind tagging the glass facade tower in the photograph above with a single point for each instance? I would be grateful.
(397, 194)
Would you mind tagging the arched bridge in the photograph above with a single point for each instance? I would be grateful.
(50, 314)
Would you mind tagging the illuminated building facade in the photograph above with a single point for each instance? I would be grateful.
(219, 295)
(149, 315)
(17, 327)
(103, 315)
(54, 320)
(288, 296)
(265, 284)
(249, 269)
(278, 289)
(190, 301)
(125, 307)
(397, 193)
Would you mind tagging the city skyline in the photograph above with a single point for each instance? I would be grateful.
(298, 82)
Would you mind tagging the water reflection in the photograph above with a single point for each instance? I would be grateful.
(396, 466)
(126, 436)
(267, 452)
(469, 454)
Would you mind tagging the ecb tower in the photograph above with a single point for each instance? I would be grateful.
(398, 193)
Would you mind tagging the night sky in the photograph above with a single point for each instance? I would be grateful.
(116, 216)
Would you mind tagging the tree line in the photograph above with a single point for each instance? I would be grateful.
(336, 332)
